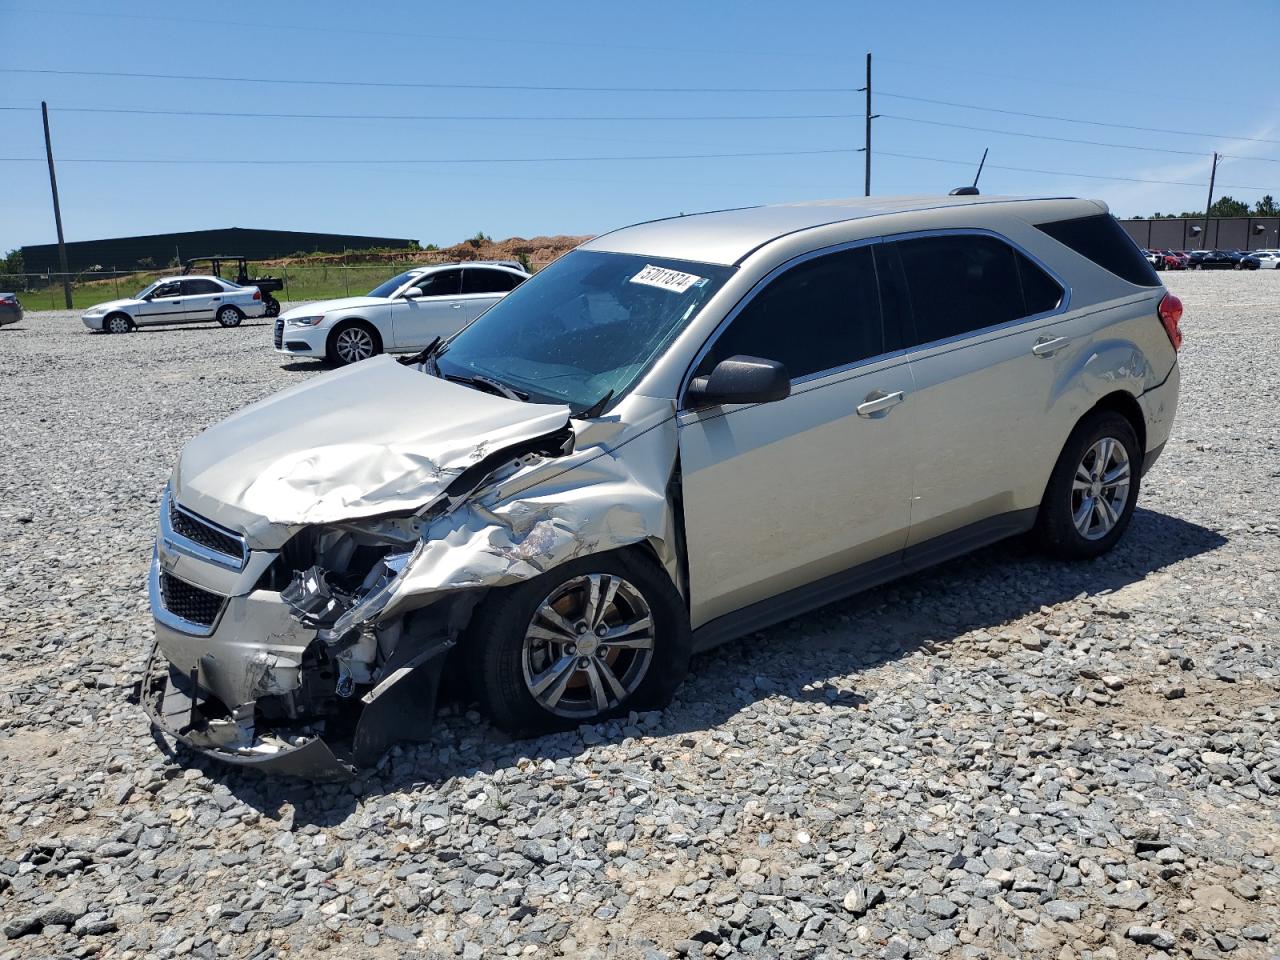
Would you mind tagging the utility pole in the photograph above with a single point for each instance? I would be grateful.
(866, 150)
(57, 211)
(1213, 172)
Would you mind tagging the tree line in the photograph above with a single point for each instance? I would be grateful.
(1228, 206)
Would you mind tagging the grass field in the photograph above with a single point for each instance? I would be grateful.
(303, 281)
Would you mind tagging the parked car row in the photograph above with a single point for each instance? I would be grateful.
(1212, 259)
(401, 315)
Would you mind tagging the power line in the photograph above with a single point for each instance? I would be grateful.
(433, 160)
(415, 84)
(1040, 136)
(1094, 123)
(1067, 173)
(276, 161)
(437, 117)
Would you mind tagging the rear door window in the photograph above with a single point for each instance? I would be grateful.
(1101, 239)
(481, 280)
(196, 287)
(820, 314)
(960, 283)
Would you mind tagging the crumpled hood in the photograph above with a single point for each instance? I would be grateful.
(328, 306)
(122, 302)
(373, 438)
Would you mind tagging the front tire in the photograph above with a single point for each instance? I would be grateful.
(1093, 489)
(119, 323)
(352, 342)
(588, 641)
(229, 316)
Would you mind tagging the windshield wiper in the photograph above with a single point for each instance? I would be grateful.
(488, 385)
(425, 355)
(596, 408)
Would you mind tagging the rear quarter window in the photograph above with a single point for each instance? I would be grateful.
(1100, 238)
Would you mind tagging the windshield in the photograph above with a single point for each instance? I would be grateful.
(145, 290)
(388, 287)
(588, 324)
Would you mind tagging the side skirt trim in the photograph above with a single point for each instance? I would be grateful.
(838, 586)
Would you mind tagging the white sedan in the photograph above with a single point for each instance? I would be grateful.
(178, 300)
(401, 315)
(1267, 259)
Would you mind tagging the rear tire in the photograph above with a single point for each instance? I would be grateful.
(515, 648)
(273, 306)
(229, 316)
(1093, 489)
(351, 342)
(119, 323)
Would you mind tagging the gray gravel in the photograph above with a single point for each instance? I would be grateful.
(1003, 757)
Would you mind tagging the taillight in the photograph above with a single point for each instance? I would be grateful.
(257, 295)
(1170, 311)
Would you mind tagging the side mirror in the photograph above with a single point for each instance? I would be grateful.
(740, 380)
(413, 293)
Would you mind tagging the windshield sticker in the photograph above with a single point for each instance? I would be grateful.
(665, 279)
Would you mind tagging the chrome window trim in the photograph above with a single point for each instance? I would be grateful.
(171, 620)
(1064, 304)
(751, 294)
(198, 551)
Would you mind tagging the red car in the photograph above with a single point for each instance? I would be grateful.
(1173, 259)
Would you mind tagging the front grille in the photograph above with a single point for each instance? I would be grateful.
(189, 602)
(279, 335)
(204, 533)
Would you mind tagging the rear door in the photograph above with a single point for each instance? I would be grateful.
(164, 305)
(482, 287)
(988, 347)
(779, 495)
(438, 312)
(201, 298)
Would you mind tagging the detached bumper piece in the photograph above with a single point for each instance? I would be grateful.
(177, 707)
(400, 707)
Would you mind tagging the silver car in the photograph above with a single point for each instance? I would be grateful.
(178, 300)
(681, 432)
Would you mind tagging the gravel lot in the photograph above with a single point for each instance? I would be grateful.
(1005, 756)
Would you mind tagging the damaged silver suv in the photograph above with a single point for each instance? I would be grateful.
(680, 432)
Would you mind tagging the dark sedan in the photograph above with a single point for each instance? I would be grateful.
(1215, 260)
(10, 308)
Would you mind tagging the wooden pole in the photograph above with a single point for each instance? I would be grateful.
(57, 210)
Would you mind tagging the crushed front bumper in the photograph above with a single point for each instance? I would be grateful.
(177, 712)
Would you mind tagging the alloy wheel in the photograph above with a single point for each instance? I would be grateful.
(354, 344)
(588, 646)
(118, 325)
(1100, 489)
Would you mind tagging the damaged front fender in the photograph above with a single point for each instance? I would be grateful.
(539, 516)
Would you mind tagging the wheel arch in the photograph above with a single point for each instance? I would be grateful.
(1125, 404)
(356, 321)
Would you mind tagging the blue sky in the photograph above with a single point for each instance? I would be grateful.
(1152, 65)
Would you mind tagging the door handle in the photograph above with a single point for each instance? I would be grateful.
(878, 402)
(1048, 346)
(457, 306)
(216, 299)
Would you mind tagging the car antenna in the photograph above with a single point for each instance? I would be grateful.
(423, 355)
(972, 190)
(596, 408)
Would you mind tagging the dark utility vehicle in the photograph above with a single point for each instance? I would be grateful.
(241, 276)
